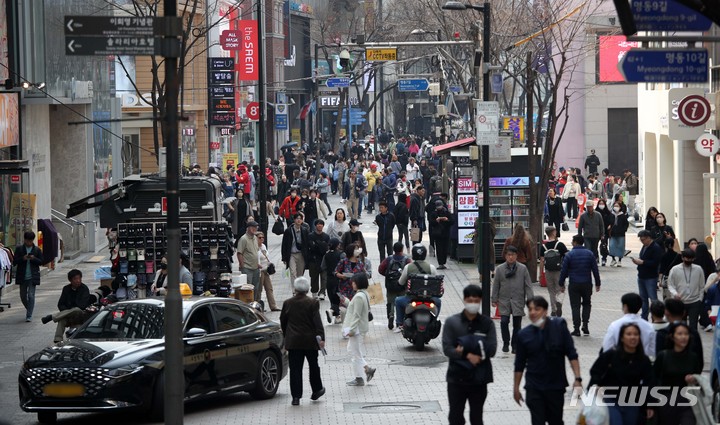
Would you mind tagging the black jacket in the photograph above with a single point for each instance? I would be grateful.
(619, 228)
(350, 237)
(22, 264)
(385, 224)
(458, 326)
(289, 239)
(401, 214)
(70, 298)
(440, 230)
(301, 323)
(417, 211)
(318, 246)
(555, 210)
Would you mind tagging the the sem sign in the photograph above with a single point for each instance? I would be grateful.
(244, 40)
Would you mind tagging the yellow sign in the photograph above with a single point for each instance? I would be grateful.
(23, 217)
(373, 54)
(230, 159)
(295, 135)
(517, 125)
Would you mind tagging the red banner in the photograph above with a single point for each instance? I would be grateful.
(244, 40)
(611, 50)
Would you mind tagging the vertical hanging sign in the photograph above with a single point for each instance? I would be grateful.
(244, 40)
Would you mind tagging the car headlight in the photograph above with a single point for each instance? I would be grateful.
(124, 371)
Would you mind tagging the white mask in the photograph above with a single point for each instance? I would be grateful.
(601, 207)
(357, 252)
(472, 308)
(539, 322)
(617, 209)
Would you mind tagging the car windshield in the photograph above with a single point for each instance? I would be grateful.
(124, 321)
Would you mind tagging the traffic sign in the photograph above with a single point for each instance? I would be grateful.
(110, 26)
(694, 110)
(707, 144)
(111, 45)
(338, 82)
(252, 110)
(487, 118)
(665, 65)
(667, 15)
(373, 54)
(420, 84)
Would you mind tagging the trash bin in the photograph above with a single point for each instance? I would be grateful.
(246, 293)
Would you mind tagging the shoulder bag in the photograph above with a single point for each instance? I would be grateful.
(271, 267)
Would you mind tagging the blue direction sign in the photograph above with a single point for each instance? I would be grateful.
(667, 15)
(420, 84)
(338, 82)
(665, 65)
(353, 121)
(354, 112)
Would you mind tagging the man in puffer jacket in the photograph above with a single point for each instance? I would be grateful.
(579, 265)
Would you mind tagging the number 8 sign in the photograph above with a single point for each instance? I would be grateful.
(253, 111)
(707, 144)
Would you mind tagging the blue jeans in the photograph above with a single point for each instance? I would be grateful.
(622, 415)
(648, 290)
(27, 296)
(402, 302)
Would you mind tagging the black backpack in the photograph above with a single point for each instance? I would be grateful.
(393, 273)
(553, 258)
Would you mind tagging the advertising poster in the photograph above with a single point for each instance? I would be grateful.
(23, 217)
(465, 185)
(466, 236)
(467, 202)
(467, 219)
(248, 155)
(230, 159)
(9, 120)
(611, 49)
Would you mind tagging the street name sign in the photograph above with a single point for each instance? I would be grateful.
(420, 84)
(665, 65)
(487, 119)
(374, 54)
(338, 82)
(667, 15)
(111, 35)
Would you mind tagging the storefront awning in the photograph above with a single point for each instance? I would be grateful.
(447, 147)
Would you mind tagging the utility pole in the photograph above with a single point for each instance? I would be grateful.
(174, 385)
(487, 240)
(262, 97)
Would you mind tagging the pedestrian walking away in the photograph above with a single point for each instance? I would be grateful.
(542, 348)
(355, 327)
(392, 268)
(469, 341)
(552, 253)
(294, 249)
(440, 221)
(28, 259)
(265, 279)
(511, 287)
(580, 267)
(304, 336)
(247, 254)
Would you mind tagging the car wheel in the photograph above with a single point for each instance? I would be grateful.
(47, 417)
(156, 412)
(268, 376)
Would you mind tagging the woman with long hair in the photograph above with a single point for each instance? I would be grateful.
(336, 227)
(662, 230)
(569, 194)
(625, 366)
(674, 368)
(355, 326)
(265, 280)
(520, 240)
(617, 235)
(650, 218)
(347, 267)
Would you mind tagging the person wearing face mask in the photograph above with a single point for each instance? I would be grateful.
(541, 351)
(554, 211)
(289, 207)
(662, 230)
(617, 235)
(608, 220)
(354, 236)
(570, 192)
(469, 366)
(510, 288)
(686, 282)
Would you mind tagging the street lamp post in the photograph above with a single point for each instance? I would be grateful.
(487, 247)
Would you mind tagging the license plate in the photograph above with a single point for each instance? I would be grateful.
(64, 390)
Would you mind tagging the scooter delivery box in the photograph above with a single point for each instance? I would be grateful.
(426, 285)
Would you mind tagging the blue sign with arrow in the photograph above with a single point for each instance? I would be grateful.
(667, 15)
(339, 82)
(665, 65)
(420, 84)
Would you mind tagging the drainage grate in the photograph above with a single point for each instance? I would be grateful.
(393, 407)
(422, 361)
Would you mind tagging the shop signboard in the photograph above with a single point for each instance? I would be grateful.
(466, 236)
(229, 159)
(23, 217)
(466, 185)
(467, 202)
(467, 218)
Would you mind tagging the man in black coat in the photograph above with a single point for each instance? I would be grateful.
(385, 222)
(417, 211)
(294, 250)
(469, 366)
(304, 336)
(28, 259)
(74, 299)
(441, 221)
(319, 242)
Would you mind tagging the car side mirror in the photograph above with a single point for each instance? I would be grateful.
(195, 333)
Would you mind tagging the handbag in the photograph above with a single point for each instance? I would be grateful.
(278, 228)
(370, 315)
(565, 227)
(415, 234)
(271, 267)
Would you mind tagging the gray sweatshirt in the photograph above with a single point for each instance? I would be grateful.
(591, 226)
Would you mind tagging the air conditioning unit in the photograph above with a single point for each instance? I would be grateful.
(441, 110)
(83, 89)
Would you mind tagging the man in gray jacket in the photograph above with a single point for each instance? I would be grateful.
(510, 289)
(591, 227)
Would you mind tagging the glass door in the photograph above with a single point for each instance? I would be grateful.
(521, 207)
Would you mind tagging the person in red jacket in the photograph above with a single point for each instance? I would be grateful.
(243, 179)
(289, 206)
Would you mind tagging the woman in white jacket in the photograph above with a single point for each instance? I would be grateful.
(339, 226)
(570, 193)
(355, 326)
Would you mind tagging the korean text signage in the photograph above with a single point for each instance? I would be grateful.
(221, 75)
(516, 125)
(245, 40)
(281, 116)
(665, 66)
(487, 117)
(667, 15)
(111, 35)
(707, 145)
(373, 54)
(465, 185)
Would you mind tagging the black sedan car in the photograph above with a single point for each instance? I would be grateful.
(115, 360)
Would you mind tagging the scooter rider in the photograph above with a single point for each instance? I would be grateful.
(418, 266)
